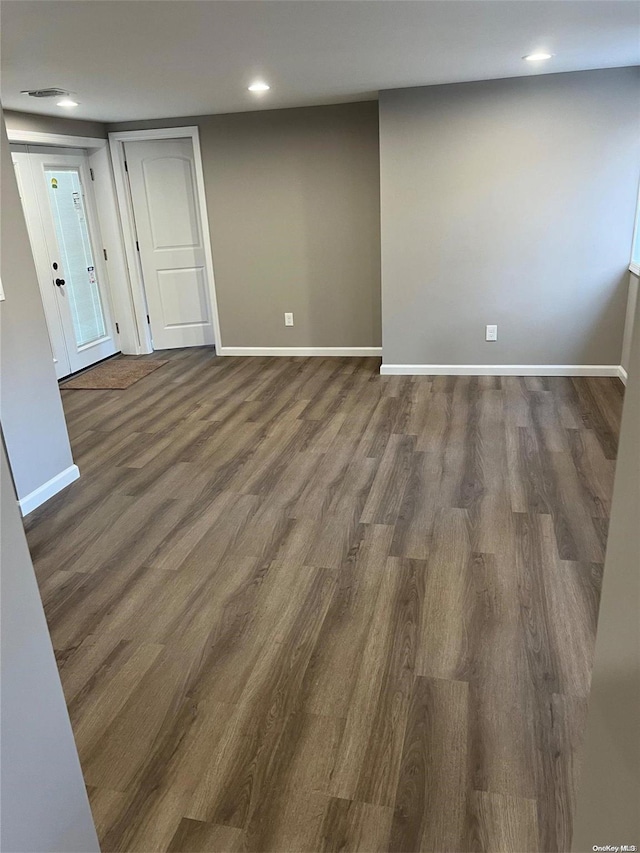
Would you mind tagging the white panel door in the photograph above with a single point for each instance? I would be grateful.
(162, 178)
(59, 209)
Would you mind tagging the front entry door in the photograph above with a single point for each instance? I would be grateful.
(169, 230)
(56, 196)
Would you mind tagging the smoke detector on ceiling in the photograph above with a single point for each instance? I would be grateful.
(45, 93)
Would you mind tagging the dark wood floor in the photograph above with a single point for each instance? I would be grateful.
(300, 607)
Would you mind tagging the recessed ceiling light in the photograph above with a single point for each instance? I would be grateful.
(537, 57)
(259, 86)
(67, 102)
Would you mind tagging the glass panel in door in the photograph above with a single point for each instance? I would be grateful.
(68, 211)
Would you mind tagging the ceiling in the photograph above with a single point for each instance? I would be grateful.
(145, 59)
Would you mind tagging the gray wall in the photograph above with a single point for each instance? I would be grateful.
(632, 300)
(30, 407)
(609, 792)
(509, 202)
(44, 801)
(294, 212)
(53, 124)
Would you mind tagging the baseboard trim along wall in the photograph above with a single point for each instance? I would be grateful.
(503, 370)
(325, 351)
(47, 490)
(622, 373)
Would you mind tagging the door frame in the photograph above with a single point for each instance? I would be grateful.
(46, 248)
(118, 278)
(117, 140)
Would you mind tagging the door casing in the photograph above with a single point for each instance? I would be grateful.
(110, 225)
(116, 143)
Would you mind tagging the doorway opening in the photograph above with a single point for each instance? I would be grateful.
(160, 190)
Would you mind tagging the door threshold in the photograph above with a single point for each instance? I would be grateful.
(69, 376)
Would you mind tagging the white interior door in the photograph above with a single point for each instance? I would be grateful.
(60, 212)
(166, 210)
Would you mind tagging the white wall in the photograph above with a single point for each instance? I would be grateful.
(30, 406)
(45, 808)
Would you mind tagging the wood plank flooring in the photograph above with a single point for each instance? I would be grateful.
(298, 606)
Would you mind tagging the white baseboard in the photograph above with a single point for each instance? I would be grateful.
(305, 351)
(47, 490)
(501, 370)
(622, 375)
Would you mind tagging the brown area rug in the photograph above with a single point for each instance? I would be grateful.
(118, 373)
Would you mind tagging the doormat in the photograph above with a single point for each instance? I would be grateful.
(115, 374)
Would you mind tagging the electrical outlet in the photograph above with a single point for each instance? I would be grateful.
(492, 333)
(288, 318)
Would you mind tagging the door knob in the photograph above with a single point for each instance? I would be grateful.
(59, 282)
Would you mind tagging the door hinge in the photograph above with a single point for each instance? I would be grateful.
(117, 329)
(104, 252)
(91, 173)
(126, 168)
(148, 320)
(137, 245)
